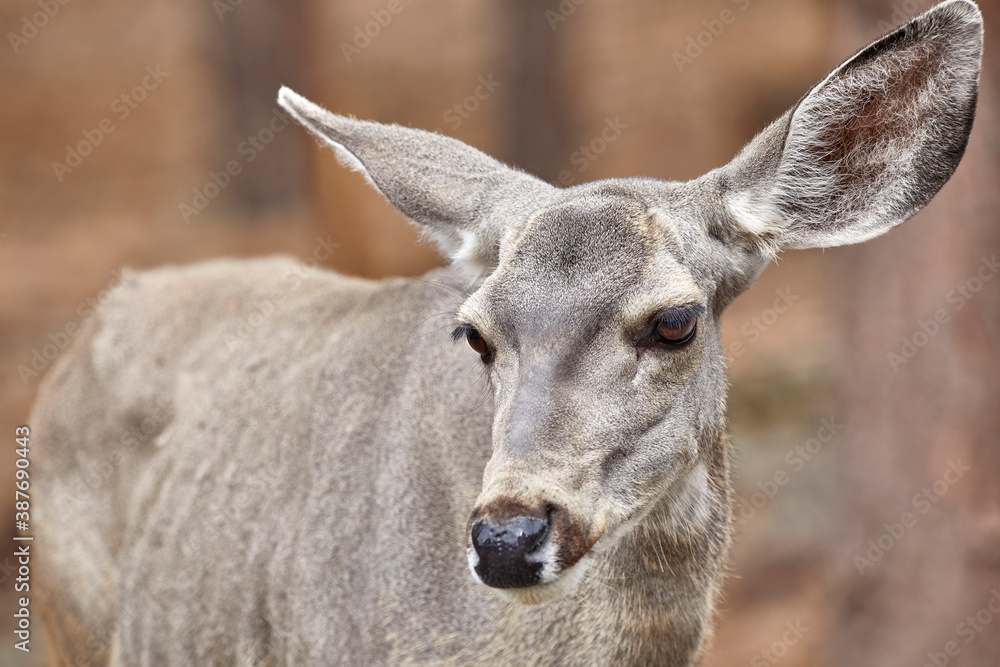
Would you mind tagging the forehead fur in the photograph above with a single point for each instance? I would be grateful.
(603, 234)
(603, 250)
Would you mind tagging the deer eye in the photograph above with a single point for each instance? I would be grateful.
(674, 332)
(672, 328)
(475, 341)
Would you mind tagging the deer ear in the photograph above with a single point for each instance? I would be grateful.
(868, 146)
(463, 199)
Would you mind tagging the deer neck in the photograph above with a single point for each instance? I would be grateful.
(663, 578)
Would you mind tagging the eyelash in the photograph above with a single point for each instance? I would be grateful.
(475, 340)
(677, 320)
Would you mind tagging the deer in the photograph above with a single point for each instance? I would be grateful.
(346, 483)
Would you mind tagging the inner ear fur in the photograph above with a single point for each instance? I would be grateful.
(868, 146)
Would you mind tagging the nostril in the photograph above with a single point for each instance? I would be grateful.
(535, 534)
(550, 516)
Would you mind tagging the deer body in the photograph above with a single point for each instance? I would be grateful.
(318, 486)
(243, 510)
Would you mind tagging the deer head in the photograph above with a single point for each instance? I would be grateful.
(597, 312)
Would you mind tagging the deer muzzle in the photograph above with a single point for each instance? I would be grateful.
(517, 547)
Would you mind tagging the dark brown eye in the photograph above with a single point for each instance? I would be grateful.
(671, 332)
(475, 341)
(671, 328)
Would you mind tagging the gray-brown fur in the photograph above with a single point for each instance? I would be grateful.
(300, 491)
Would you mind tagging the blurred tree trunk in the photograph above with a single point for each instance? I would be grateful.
(538, 135)
(257, 47)
(907, 426)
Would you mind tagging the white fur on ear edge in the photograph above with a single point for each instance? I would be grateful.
(312, 117)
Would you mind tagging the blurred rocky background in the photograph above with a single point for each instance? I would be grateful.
(864, 380)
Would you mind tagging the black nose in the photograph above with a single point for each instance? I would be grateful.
(503, 547)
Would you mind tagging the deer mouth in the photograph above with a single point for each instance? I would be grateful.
(563, 583)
